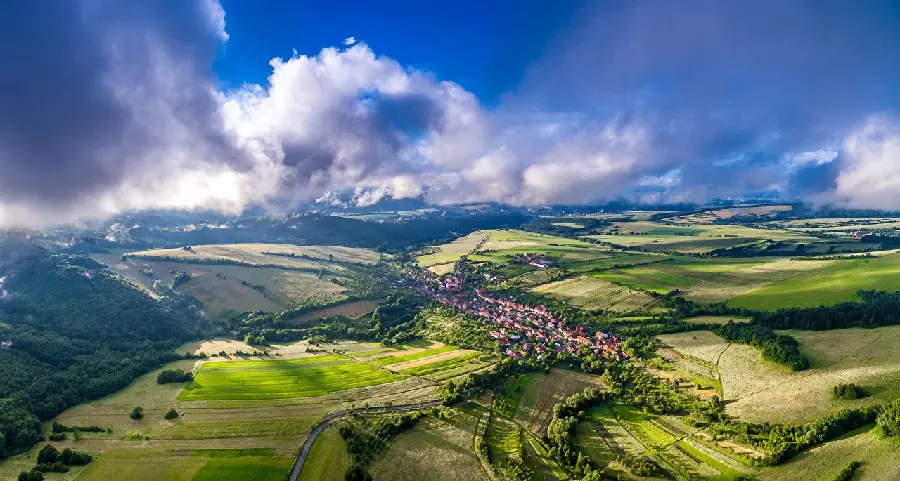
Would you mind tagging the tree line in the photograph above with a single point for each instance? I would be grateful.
(76, 335)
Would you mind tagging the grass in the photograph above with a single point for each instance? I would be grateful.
(146, 465)
(878, 457)
(385, 361)
(328, 459)
(434, 450)
(305, 377)
(503, 440)
(444, 365)
(833, 284)
(223, 288)
(251, 468)
(759, 391)
(595, 294)
(257, 254)
(544, 391)
(451, 252)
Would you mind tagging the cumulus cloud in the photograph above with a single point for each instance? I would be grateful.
(114, 107)
(869, 175)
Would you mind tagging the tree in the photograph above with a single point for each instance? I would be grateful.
(172, 414)
(47, 455)
(137, 413)
(33, 475)
(888, 421)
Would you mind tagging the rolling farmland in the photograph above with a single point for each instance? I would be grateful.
(595, 294)
(314, 376)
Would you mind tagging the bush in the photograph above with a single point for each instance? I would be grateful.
(173, 375)
(58, 437)
(888, 420)
(47, 455)
(172, 414)
(848, 391)
(57, 467)
(847, 473)
(33, 475)
(137, 413)
(74, 458)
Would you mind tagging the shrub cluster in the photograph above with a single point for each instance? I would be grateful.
(173, 375)
(848, 391)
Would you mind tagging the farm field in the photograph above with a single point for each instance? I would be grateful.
(530, 400)
(760, 391)
(497, 246)
(832, 284)
(434, 450)
(248, 438)
(613, 430)
(224, 288)
(878, 457)
(451, 252)
(313, 376)
(595, 294)
(328, 459)
(278, 254)
(694, 239)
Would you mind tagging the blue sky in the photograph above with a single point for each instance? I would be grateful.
(520, 102)
(484, 46)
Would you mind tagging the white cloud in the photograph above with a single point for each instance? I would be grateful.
(815, 157)
(870, 166)
(349, 41)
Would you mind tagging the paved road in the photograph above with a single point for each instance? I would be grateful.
(331, 418)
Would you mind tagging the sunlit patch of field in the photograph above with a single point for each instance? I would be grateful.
(877, 455)
(838, 282)
(761, 391)
(595, 294)
(223, 288)
(715, 320)
(311, 376)
(535, 401)
(435, 357)
(434, 450)
(261, 254)
(351, 310)
(328, 459)
(451, 252)
(441, 269)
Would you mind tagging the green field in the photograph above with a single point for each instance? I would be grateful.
(595, 294)
(328, 459)
(388, 360)
(833, 284)
(250, 468)
(444, 365)
(878, 457)
(313, 376)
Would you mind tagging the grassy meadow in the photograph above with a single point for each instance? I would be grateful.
(307, 377)
(838, 282)
(760, 391)
(434, 450)
(590, 293)
(328, 459)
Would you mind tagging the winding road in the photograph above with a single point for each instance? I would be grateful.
(331, 418)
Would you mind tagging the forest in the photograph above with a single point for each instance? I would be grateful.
(76, 334)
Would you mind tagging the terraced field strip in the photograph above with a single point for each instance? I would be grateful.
(441, 365)
(428, 360)
(388, 360)
(313, 376)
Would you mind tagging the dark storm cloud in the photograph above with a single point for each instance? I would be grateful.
(713, 79)
(92, 90)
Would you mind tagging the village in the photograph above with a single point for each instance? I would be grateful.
(522, 331)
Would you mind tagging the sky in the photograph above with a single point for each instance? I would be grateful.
(128, 105)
